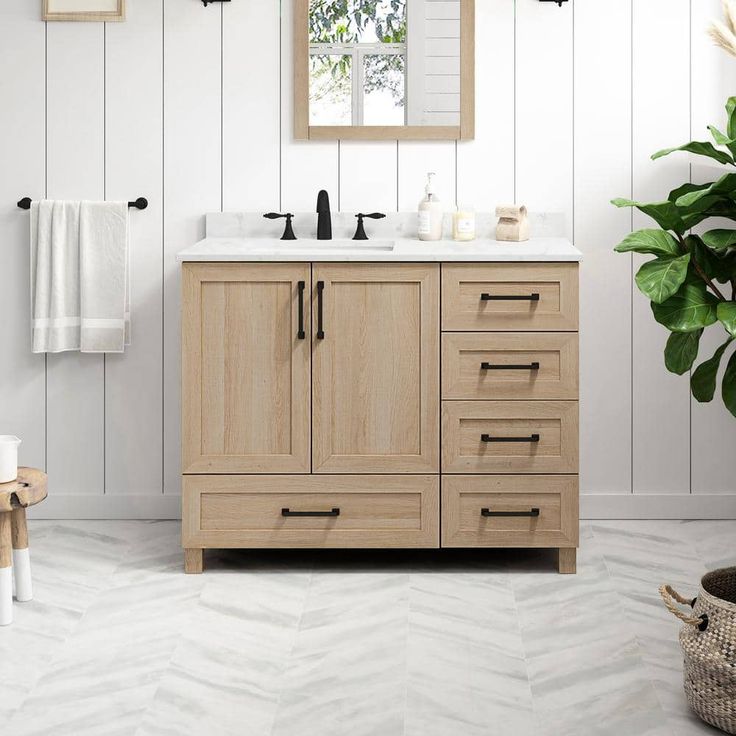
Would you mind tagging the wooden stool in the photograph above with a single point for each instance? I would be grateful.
(27, 490)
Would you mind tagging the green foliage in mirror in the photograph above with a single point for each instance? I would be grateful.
(689, 279)
(346, 22)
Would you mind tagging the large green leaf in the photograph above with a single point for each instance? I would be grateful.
(661, 278)
(701, 148)
(721, 139)
(703, 380)
(722, 188)
(719, 239)
(681, 351)
(731, 112)
(656, 242)
(688, 310)
(726, 313)
(665, 214)
(686, 188)
(728, 387)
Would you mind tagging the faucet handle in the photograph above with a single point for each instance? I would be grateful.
(288, 230)
(360, 230)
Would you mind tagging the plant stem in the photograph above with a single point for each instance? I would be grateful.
(699, 270)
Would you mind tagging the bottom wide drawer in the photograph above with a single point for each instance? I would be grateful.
(310, 511)
(509, 510)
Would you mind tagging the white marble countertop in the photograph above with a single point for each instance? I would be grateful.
(378, 250)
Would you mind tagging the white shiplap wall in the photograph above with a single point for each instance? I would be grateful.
(191, 107)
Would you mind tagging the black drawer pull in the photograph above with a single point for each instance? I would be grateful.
(300, 333)
(510, 367)
(320, 328)
(289, 512)
(489, 438)
(534, 297)
(488, 512)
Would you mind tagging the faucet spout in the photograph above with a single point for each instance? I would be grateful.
(324, 219)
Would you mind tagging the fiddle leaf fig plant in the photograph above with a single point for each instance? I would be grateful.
(691, 281)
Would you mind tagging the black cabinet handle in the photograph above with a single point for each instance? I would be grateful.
(510, 367)
(300, 332)
(289, 512)
(320, 329)
(489, 438)
(488, 512)
(509, 297)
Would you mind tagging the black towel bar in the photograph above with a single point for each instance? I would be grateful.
(140, 204)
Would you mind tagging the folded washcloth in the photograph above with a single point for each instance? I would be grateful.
(80, 287)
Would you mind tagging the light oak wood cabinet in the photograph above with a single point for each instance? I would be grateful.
(312, 511)
(315, 415)
(375, 377)
(245, 368)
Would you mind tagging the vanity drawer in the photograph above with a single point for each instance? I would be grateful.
(509, 437)
(509, 511)
(281, 511)
(524, 365)
(510, 296)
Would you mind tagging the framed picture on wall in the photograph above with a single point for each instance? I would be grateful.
(95, 10)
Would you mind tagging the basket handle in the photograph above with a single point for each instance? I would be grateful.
(668, 593)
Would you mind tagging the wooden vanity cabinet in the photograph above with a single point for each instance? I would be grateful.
(375, 371)
(245, 368)
(312, 404)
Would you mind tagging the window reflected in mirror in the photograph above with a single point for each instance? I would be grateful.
(384, 62)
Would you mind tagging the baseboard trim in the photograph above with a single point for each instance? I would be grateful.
(592, 506)
(657, 506)
(108, 506)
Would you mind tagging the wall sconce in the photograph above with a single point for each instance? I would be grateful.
(207, 2)
(559, 2)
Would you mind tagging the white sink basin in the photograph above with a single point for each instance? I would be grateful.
(321, 246)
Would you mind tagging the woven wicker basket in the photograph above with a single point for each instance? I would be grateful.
(708, 642)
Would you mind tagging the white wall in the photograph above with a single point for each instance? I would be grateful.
(191, 107)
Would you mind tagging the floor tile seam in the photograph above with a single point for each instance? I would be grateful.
(63, 646)
(639, 648)
(289, 656)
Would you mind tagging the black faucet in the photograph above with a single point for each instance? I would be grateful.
(324, 220)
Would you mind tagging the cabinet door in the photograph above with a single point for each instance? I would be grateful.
(245, 368)
(375, 380)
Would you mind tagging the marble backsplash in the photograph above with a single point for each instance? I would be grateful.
(395, 225)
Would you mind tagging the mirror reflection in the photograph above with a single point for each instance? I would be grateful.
(384, 62)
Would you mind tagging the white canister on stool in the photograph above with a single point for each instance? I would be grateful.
(8, 457)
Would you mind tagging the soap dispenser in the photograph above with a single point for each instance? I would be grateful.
(430, 213)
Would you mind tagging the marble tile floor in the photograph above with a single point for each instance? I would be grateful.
(119, 642)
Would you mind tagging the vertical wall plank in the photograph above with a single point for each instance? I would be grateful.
(192, 176)
(306, 166)
(22, 153)
(485, 166)
(661, 115)
(544, 108)
(134, 149)
(75, 110)
(713, 428)
(251, 106)
(602, 172)
(368, 176)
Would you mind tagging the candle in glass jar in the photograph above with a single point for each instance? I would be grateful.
(463, 224)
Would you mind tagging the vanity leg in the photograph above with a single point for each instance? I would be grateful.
(566, 559)
(6, 571)
(193, 560)
(21, 556)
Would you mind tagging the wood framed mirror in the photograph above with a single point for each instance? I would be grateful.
(384, 69)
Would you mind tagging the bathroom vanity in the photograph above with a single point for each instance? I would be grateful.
(383, 394)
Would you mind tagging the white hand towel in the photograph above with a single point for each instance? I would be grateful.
(80, 293)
